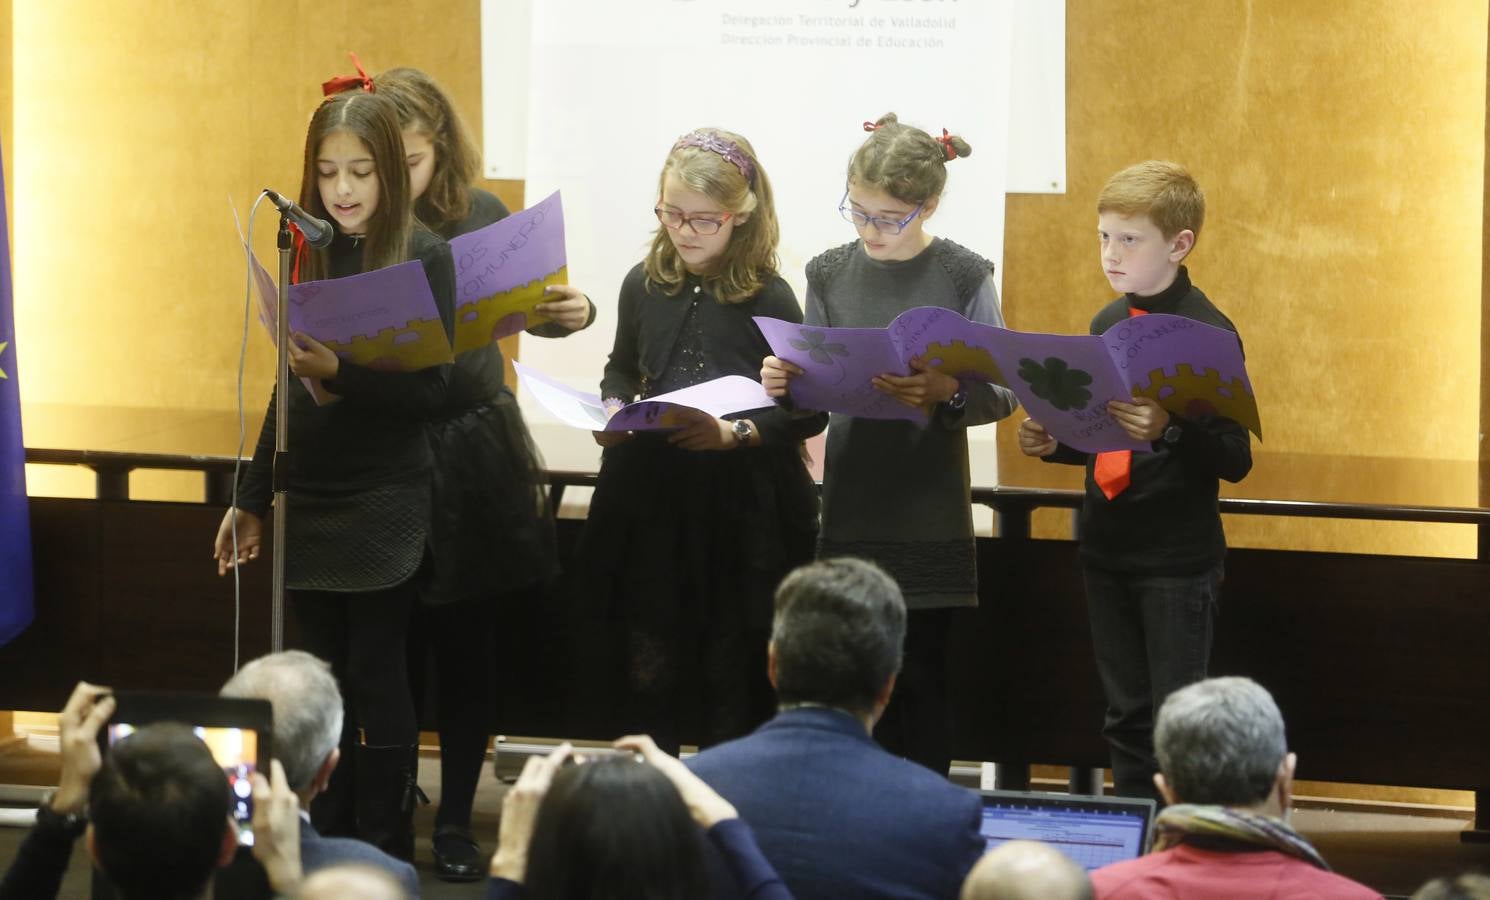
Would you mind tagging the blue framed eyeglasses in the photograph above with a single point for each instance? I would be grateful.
(883, 226)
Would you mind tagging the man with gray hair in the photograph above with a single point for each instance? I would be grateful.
(1225, 770)
(307, 729)
(835, 814)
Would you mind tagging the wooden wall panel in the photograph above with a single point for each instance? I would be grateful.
(152, 115)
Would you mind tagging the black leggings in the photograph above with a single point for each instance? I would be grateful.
(364, 638)
(462, 638)
(918, 722)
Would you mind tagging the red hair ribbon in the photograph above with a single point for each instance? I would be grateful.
(300, 251)
(347, 82)
(873, 126)
(946, 141)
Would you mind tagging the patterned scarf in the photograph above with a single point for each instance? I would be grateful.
(1183, 820)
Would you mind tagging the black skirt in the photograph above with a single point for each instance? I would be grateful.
(357, 540)
(492, 531)
(705, 536)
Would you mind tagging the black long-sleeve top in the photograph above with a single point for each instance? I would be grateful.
(38, 868)
(479, 375)
(374, 434)
(1167, 522)
(648, 324)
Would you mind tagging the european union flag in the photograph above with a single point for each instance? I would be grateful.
(15, 518)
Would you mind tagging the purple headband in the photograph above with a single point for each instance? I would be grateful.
(727, 149)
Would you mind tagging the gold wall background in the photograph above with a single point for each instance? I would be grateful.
(136, 124)
(1341, 147)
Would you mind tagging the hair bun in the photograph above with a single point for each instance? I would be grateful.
(952, 146)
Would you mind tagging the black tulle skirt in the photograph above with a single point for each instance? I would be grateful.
(491, 530)
(706, 535)
(673, 582)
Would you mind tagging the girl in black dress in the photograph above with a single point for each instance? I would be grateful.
(493, 534)
(690, 531)
(359, 475)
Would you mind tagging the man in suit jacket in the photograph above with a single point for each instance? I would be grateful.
(834, 813)
(307, 729)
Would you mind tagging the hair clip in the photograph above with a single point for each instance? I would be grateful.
(727, 149)
(347, 82)
(946, 141)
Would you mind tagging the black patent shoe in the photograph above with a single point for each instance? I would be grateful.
(457, 855)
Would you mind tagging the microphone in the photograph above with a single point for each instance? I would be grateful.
(318, 232)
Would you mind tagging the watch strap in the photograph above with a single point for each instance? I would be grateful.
(70, 824)
(742, 431)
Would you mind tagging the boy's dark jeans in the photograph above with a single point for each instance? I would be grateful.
(1152, 635)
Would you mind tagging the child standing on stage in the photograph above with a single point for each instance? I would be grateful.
(690, 531)
(896, 492)
(493, 534)
(1151, 540)
(359, 477)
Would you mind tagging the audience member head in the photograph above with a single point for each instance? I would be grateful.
(351, 881)
(1026, 870)
(837, 636)
(1469, 886)
(1220, 742)
(307, 714)
(160, 817)
(614, 828)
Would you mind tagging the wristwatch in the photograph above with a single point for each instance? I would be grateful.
(72, 824)
(1172, 433)
(957, 400)
(743, 431)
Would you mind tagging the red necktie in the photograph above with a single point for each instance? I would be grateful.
(1113, 468)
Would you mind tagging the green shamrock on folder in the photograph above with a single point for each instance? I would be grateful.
(814, 342)
(1057, 383)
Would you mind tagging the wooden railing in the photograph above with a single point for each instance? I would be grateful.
(1378, 662)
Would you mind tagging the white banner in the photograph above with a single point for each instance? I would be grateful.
(614, 84)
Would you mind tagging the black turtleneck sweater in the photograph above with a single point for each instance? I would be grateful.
(1167, 521)
(374, 434)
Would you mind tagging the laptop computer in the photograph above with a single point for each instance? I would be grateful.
(1093, 831)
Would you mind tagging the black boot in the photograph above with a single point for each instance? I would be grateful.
(385, 798)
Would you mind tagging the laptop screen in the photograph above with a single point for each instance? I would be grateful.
(1093, 831)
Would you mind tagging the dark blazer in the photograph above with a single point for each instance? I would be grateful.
(318, 852)
(839, 817)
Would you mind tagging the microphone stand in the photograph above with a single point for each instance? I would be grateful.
(281, 437)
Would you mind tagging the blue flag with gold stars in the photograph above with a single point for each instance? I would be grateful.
(15, 518)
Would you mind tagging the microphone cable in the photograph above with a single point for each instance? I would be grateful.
(248, 287)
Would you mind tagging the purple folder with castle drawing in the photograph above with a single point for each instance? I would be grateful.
(502, 269)
(385, 319)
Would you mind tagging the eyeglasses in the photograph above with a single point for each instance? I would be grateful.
(700, 224)
(883, 226)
